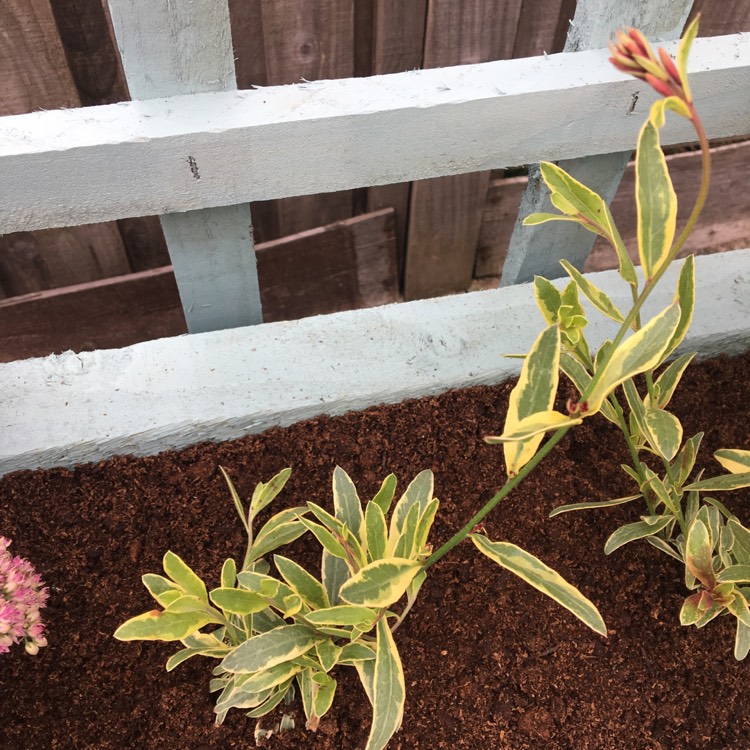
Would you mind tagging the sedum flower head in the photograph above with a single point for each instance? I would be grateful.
(22, 596)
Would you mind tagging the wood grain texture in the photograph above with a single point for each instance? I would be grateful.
(726, 17)
(445, 214)
(724, 222)
(298, 41)
(539, 23)
(532, 249)
(307, 274)
(62, 411)
(34, 74)
(397, 46)
(67, 165)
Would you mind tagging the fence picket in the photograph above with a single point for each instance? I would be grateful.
(185, 47)
(538, 250)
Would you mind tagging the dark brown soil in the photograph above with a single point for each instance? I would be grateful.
(489, 662)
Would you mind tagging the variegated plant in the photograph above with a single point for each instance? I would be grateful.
(271, 631)
(698, 531)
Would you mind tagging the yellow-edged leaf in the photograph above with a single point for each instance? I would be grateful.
(543, 578)
(656, 199)
(380, 583)
(683, 52)
(162, 626)
(541, 422)
(734, 460)
(599, 299)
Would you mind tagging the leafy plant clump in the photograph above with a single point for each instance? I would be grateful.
(680, 518)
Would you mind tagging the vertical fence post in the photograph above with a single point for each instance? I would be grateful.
(538, 250)
(173, 47)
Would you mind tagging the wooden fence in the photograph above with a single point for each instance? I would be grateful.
(316, 253)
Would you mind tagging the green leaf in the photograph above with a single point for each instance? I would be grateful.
(328, 654)
(354, 652)
(734, 574)
(547, 298)
(690, 613)
(228, 574)
(384, 496)
(376, 531)
(721, 483)
(418, 492)
(324, 695)
(739, 608)
(632, 531)
(640, 352)
(301, 582)
(664, 432)
(698, 553)
(346, 503)
(741, 641)
(637, 410)
(344, 614)
(280, 530)
(593, 505)
(683, 52)
(183, 576)
(741, 546)
(266, 492)
(425, 524)
(668, 381)
(380, 583)
(326, 539)
(533, 220)
(685, 297)
(270, 678)
(661, 545)
(388, 690)
(162, 626)
(236, 499)
(534, 392)
(580, 377)
(543, 578)
(656, 200)
(736, 461)
(599, 299)
(162, 589)
(405, 544)
(276, 697)
(238, 601)
(536, 424)
(686, 459)
(269, 649)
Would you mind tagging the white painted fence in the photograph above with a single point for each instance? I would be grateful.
(210, 148)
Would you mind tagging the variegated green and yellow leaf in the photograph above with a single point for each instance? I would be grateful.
(734, 574)
(539, 423)
(344, 614)
(734, 460)
(664, 432)
(534, 392)
(742, 641)
(384, 496)
(283, 528)
(274, 699)
(269, 649)
(599, 299)
(640, 352)
(328, 654)
(543, 578)
(722, 483)
(238, 601)
(683, 52)
(162, 626)
(580, 377)
(346, 502)
(380, 583)
(595, 505)
(354, 652)
(668, 381)
(228, 573)
(418, 492)
(632, 531)
(685, 298)
(183, 576)
(301, 582)
(162, 589)
(739, 608)
(698, 553)
(388, 689)
(547, 298)
(656, 199)
(266, 492)
(376, 531)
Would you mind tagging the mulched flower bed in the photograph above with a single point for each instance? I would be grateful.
(489, 662)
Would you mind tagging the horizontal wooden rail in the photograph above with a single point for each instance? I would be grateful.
(72, 408)
(68, 167)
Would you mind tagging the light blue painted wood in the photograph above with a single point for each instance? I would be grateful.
(538, 250)
(178, 47)
(67, 409)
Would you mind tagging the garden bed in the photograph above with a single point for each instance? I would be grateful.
(489, 662)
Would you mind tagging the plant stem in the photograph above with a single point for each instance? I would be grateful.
(501, 495)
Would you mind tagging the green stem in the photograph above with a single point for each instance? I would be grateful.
(501, 495)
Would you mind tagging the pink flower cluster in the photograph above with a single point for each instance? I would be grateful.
(22, 595)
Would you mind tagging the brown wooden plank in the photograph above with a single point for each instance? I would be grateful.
(726, 17)
(303, 275)
(35, 75)
(538, 25)
(724, 222)
(397, 46)
(445, 214)
(284, 41)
